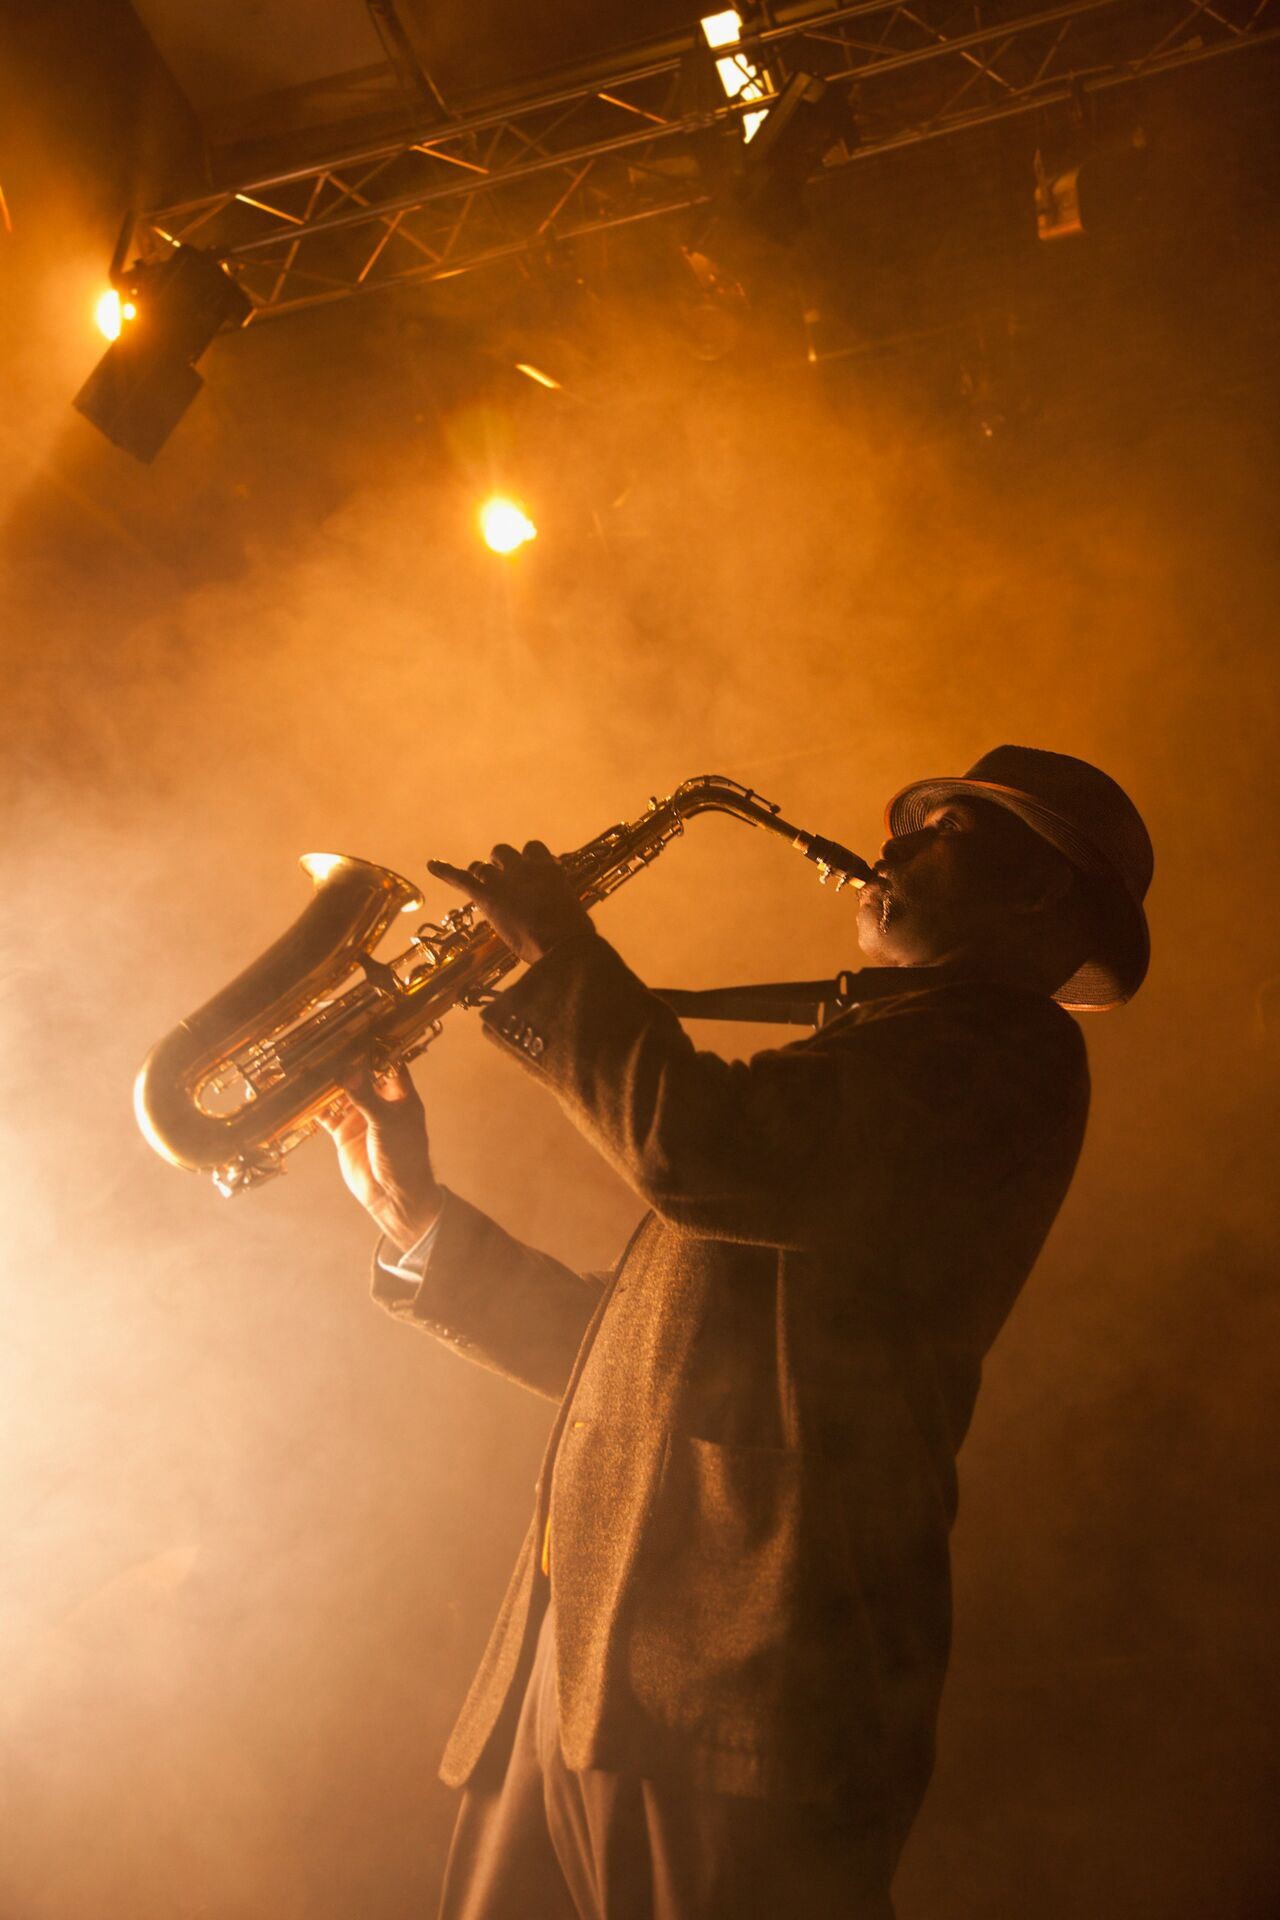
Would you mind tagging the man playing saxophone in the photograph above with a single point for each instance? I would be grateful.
(712, 1689)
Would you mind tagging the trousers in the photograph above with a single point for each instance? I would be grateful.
(550, 1843)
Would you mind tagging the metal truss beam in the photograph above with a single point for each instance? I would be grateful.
(593, 155)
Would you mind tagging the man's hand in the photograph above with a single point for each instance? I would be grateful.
(381, 1137)
(527, 898)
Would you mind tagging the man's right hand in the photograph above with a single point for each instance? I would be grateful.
(381, 1138)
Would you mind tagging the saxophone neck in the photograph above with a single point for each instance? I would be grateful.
(715, 793)
(620, 852)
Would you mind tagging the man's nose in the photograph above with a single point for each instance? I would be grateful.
(897, 851)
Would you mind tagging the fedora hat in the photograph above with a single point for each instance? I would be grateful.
(1081, 811)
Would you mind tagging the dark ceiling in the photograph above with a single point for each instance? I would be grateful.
(234, 62)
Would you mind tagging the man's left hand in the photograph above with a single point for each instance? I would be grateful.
(527, 897)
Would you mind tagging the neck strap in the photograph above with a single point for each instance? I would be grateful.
(798, 1003)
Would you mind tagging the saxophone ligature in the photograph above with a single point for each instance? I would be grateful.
(245, 1079)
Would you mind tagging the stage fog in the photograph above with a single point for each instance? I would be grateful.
(255, 1532)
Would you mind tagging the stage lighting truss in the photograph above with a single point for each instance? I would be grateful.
(602, 151)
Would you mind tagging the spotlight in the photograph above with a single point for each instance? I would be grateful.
(505, 525)
(111, 313)
(722, 29)
(1097, 195)
(739, 75)
(146, 380)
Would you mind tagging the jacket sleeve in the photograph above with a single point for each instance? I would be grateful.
(796, 1146)
(494, 1300)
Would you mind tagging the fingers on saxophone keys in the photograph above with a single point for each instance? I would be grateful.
(396, 1089)
(504, 854)
(343, 1119)
(385, 1099)
(538, 850)
(361, 1093)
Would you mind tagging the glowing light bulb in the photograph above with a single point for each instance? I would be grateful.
(111, 313)
(723, 29)
(505, 525)
(739, 78)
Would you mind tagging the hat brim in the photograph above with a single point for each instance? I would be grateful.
(1117, 969)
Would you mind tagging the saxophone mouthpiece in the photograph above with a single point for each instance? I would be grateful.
(833, 860)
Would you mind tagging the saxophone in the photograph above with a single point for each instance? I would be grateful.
(241, 1082)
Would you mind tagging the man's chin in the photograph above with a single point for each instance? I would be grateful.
(877, 915)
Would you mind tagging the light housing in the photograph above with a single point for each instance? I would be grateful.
(146, 380)
(808, 118)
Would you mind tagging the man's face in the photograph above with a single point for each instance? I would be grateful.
(948, 886)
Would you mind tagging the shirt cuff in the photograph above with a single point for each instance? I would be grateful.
(398, 1276)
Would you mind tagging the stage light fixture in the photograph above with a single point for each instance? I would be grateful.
(808, 118)
(146, 380)
(1096, 194)
(505, 526)
(740, 77)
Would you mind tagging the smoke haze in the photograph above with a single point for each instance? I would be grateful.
(256, 1533)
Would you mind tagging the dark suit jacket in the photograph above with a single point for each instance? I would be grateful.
(750, 1480)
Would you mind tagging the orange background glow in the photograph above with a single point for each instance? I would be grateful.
(255, 1533)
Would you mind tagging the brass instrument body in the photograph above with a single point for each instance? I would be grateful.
(316, 1006)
